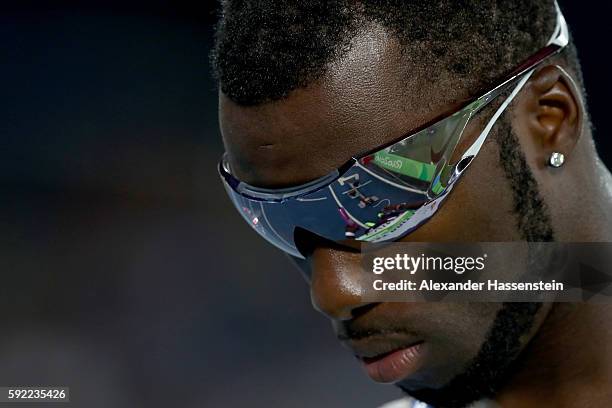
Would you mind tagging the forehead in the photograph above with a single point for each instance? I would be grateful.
(374, 93)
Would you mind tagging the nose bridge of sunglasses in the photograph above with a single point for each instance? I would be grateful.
(306, 242)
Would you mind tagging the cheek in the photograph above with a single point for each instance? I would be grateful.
(479, 209)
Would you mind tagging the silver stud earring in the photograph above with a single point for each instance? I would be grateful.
(556, 160)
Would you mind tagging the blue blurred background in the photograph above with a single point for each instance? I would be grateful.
(126, 275)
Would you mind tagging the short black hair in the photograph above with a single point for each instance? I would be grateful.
(264, 49)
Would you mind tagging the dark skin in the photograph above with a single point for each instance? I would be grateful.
(367, 99)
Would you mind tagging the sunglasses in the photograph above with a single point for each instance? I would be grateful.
(384, 194)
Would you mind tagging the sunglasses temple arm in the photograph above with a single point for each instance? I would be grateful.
(475, 147)
(560, 37)
(443, 165)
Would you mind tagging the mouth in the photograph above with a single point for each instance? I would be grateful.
(395, 365)
(389, 359)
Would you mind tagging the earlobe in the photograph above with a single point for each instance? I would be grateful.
(554, 114)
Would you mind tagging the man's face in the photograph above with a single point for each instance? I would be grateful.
(371, 96)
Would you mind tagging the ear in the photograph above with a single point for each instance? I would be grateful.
(554, 113)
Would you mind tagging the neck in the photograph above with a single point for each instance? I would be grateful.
(596, 224)
(568, 363)
(604, 201)
(594, 210)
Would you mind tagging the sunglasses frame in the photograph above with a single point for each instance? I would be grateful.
(445, 175)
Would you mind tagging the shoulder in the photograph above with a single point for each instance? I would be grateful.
(408, 402)
(405, 403)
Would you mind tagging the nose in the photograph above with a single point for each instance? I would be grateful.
(336, 283)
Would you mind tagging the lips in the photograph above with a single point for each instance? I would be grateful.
(396, 365)
(388, 358)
